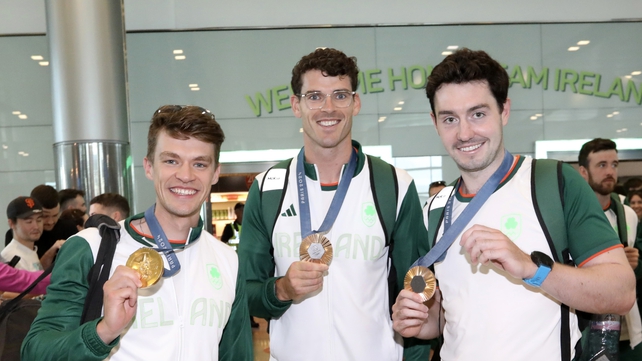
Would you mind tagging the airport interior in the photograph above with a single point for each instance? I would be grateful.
(79, 84)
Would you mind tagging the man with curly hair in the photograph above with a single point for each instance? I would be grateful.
(333, 307)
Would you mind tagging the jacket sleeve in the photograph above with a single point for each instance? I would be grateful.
(410, 242)
(236, 341)
(257, 262)
(56, 333)
(15, 280)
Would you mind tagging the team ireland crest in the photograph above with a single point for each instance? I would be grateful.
(368, 214)
(214, 275)
(511, 226)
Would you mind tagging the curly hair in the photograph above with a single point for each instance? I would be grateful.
(183, 122)
(331, 62)
(465, 66)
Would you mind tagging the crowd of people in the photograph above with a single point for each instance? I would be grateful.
(329, 236)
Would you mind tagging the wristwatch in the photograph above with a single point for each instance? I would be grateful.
(544, 265)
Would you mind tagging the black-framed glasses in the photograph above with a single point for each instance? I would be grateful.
(437, 184)
(177, 108)
(339, 98)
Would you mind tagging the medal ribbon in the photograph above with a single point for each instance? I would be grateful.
(438, 253)
(161, 240)
(337, 200)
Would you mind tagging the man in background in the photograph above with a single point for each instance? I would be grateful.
(110, 204)
(72, 199)
(25, 220)
(598, 160)
(435, 187)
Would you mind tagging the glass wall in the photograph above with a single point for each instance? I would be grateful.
(568, 81)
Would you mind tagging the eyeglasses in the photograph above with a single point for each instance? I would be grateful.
(316, 100)
(176, 108)
(437, 184)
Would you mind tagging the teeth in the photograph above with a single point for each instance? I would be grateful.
(470, 148)
(183, 192)
(328, 123)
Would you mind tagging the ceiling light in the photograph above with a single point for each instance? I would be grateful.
(401, 102)
(178, 51)
(452, 47)
(37, 57)
(583, 42)
(300, 130)
(446, 52)
(637, 72)
(193, 85)
(609, 115)
(628, 76)
(574, 48)
(624, 129)
(397, 108)
(21, 152)
(381, 119)
(43, 63)
(179, 57)
(618, 130)
(195, 89)
(616, 112)
(22, 116)
(15, 112)
(533, 117)
(538, 115)
(4, 146)
(25, 154)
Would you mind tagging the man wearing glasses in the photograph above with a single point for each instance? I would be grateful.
(317, 256)
(174, 300)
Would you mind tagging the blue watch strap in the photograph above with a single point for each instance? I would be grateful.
(539, 277)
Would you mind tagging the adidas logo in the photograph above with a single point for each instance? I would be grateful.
(290, 212)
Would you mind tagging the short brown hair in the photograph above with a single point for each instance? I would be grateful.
(331, 62)
(112, 200)
(466, 66)
(183, 122)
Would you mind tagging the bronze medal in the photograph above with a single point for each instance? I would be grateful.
(316, 248)
(420, 280)
(149, 265)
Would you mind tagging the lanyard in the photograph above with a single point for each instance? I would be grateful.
(161, 240)
(438, 253)
(337, 200)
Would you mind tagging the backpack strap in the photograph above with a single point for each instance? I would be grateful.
(621, 219)
(274, 195)
(547, 192)
(385, 188)
(109, 231)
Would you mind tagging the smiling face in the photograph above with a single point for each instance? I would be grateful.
(470, 125)
(328, 127)
(183, 172)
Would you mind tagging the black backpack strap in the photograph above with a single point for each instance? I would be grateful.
(8, 306)
(99, 273)
(14, 261)
(547, 192)
(621, 219)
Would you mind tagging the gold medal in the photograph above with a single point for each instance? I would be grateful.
(316, 248)
(420, 280)
(149, 265)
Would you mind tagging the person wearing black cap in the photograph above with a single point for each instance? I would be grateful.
(25, 220)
